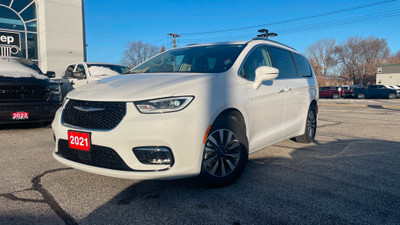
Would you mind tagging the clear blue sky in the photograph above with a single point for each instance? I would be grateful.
(110, 25)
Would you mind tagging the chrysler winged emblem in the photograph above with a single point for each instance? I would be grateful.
(88, 109)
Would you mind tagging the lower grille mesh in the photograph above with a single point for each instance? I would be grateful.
(98, 156)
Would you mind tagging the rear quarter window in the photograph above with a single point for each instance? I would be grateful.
(303, 66)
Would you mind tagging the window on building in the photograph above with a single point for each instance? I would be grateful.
(19, 16)
(10, 20)
(20, 5)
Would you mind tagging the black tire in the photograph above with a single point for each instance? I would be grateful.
(361, 96)
(392, 96)
(335, 96)
(311, 127)
(224, 160)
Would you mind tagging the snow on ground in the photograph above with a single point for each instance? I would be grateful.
(101, 71)
(10, 68)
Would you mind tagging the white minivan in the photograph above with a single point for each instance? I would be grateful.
(196, 110)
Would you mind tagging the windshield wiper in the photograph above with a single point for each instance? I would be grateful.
(129, 72)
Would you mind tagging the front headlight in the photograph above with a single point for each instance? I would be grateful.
(65, 101)
(55, 88)
(55, 92)
(164, 105)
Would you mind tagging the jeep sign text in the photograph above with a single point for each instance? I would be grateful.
(10, 39)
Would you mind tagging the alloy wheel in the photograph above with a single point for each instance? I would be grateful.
(221, 153)
(311, 123)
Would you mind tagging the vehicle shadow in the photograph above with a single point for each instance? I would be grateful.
(337, 182)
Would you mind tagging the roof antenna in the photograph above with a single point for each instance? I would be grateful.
(266, 34)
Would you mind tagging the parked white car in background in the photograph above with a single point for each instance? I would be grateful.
(82, 73)
(196, 110)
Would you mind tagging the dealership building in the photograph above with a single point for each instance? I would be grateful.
(49, 32)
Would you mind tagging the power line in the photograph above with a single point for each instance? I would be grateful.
(289, 30)
(317, 26)
(292, 20)
(365, 18)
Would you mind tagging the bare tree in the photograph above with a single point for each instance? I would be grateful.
(162, 49)
(393, 59)
(359, 56)
(321, 56)
(138, 52)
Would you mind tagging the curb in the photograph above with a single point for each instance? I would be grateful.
(359, 105)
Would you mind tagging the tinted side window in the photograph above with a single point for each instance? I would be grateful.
(283, 61)
(258, 57)
(69, 71)
(303, 66)
(81, 69)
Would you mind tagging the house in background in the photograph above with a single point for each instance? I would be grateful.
(388, 74)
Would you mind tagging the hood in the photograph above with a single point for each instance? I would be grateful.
(13, 68)
(22, 79)
(138, 87)
(99, 77)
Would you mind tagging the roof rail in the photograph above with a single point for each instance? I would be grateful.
(265, 39)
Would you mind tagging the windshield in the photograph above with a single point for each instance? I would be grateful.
(19, 68)
(29, 64)
(117, 68)
(198, 59)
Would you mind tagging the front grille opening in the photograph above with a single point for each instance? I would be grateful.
(98, 156)
(24, 92)
(94, 115)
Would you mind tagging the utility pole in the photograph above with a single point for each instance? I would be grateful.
(174, 36)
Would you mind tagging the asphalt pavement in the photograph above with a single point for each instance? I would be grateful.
(350, 175)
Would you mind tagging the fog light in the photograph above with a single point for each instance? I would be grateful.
(154, 155)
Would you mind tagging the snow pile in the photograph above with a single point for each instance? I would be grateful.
(101, 71)
(11, 68)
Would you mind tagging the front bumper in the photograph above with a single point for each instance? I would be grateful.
(38, 111)
(182, 132)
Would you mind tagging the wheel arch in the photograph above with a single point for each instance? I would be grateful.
(235, 114)
(314, 104)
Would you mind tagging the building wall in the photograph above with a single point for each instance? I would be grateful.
(61, 34)
(388, 74)
(388, 79)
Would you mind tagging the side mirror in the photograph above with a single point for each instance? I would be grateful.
(78, 75)
(264, 73)
(50, 74)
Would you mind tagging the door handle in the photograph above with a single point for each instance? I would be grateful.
(281, 90)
